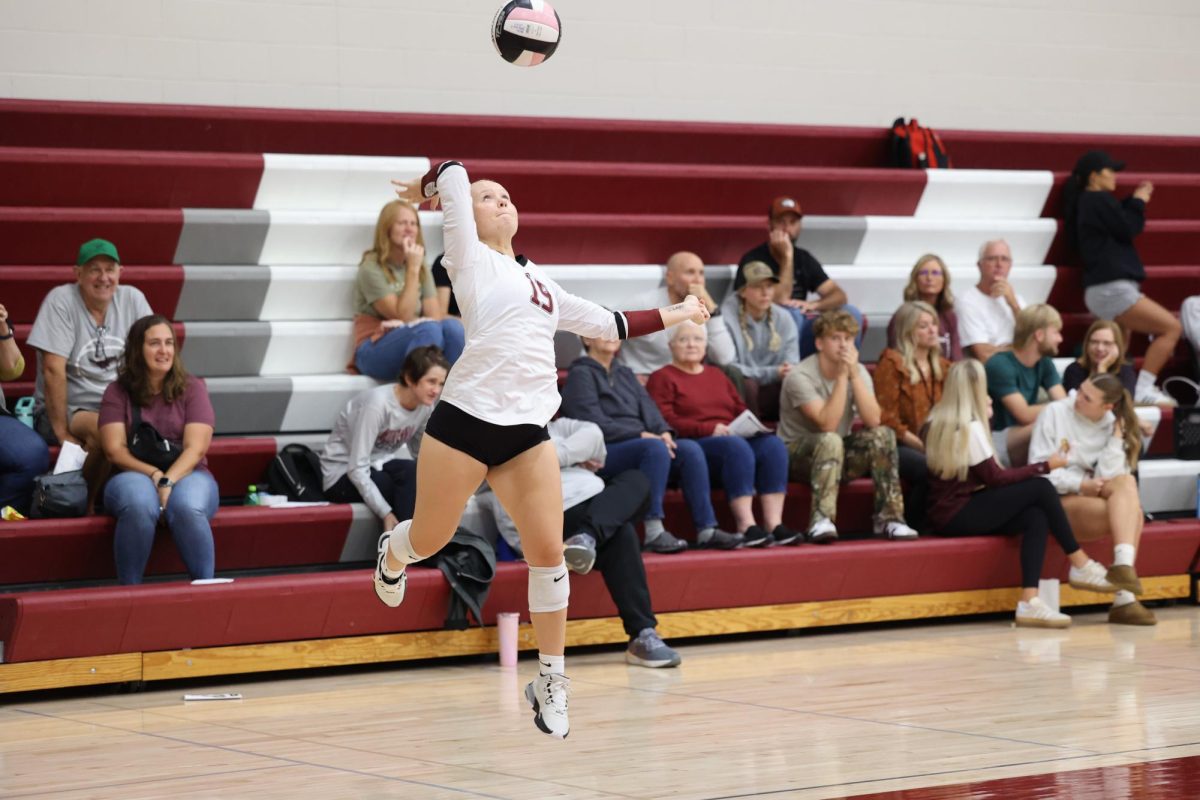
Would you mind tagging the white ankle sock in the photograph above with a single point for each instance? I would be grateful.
(1145, 380)
(1122, 598)
(653, 528)
(1123, 555)
(551, 665)
(400, 546)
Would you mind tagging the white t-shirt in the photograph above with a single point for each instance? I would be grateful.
(979, 444)
(983, 319)
(510, 311)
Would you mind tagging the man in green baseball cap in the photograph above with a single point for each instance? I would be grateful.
(94, 248)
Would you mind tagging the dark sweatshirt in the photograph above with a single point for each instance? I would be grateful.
(1105, 228)
(613, 400)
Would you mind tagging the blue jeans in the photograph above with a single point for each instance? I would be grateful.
(689, 469)
(383, 359)
(132, 498)
(808, 339)
(23, 456)
(744, 466)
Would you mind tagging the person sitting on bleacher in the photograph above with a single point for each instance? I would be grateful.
(79, 335)
(1015, 376)
(821, 397)
(153, 389)
(684, 275)
(764, 337)
(598, 528)
(971, 494)
(929, 282)
(607, 393)
(700, 402)
(1099, 493)
(1102, 229)
(397, 309)
(23, 454)
(908, 383)
(799, 274)
(1104, 354)
(987, 311)
(363, 459)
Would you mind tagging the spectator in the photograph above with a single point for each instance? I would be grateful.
(23, 454)
(700, 402)
(1102, 230)
(987, 311)
(929, 282)
(447, 302)
(684, 276)
(821, 397)
(1098, 490)
(598, 528)
(80, 334)
(1015, 376)
(799, 274)
(764, 338)
(396, 305)
(373, 429)
(970, 494)
(908, 382)
(153, 383)
(601, 391)
(1104, 353)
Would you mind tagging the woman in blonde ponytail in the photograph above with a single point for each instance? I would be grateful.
(1099, 429)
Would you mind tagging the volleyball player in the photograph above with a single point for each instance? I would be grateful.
(491, 421)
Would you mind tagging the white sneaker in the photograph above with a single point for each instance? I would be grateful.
(1036, 614)
(1153, 396)
(548, 696)
(893, 529)
(823, 531)
(390, 592)
(1091, 577)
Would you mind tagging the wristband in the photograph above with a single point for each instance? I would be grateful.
(429, 182)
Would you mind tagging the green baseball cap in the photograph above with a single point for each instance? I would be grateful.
(96, 247)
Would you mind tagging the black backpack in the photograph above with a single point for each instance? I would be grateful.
(914, 145)
(296, 472)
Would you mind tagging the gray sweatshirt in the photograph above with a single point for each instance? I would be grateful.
(760, 362)
(372, 429)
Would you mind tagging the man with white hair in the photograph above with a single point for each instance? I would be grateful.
(684, 276)
(987, 311)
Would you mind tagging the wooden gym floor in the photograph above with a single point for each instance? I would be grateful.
(948, 710)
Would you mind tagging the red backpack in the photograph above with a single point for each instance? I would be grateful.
(917, 146)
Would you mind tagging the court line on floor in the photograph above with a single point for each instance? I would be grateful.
(143, 781)
(284, 759)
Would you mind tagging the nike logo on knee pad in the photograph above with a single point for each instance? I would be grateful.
(560, 577)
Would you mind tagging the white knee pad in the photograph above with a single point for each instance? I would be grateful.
(549, 588)
(401, 546)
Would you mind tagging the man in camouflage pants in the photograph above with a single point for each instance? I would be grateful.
(820, 398)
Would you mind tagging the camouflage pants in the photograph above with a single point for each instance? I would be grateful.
(824, 460)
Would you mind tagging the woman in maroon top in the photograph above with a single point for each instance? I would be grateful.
(970, 494)
(700, 402)
(176, 404)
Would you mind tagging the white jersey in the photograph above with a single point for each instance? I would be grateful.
(510, 311)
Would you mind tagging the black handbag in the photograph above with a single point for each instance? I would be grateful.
(1186, 423)
(148, 445)
(61, 495)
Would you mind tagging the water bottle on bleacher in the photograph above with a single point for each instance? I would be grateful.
(251, 496)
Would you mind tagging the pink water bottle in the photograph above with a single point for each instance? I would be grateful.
(506, 626)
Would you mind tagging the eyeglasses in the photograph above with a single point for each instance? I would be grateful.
(930, 273)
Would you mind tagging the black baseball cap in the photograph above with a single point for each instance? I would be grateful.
(1096, 160)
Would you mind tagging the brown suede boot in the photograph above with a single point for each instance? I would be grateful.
(1131, 614)
(1124, 577)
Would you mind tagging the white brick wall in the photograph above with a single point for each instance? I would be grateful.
(1068, 65)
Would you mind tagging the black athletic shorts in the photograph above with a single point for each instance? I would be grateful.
(485, 442)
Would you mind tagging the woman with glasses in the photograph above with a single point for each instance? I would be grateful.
(929, 282)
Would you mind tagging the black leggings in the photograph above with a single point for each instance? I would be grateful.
(1029, 508)
(397, 482)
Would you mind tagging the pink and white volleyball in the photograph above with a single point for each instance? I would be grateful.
(526, 32)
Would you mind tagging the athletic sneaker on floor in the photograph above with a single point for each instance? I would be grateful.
(390, 592)
(823, 531)
(647, 649)
(785, 535)
(895, 530)
(756, 536)
(547, 694)
(718, 539)
(1036, 614)
(665, 542)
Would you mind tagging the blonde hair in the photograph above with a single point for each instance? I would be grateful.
(907, 318)
(945, 300)
(964, 400)
(774, 343)
(835, 322)
(1032, 319)
(1085, 359)
(382, 249)
(1113, 391)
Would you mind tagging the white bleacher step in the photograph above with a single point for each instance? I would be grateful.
(333, 182)
(1168, 484)
(984, 194)
(892, 240)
